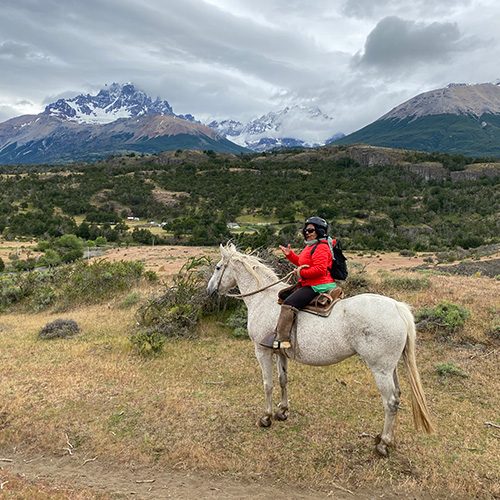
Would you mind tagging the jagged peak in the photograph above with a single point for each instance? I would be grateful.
(111, 103)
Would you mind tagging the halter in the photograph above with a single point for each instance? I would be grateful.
(241, 295)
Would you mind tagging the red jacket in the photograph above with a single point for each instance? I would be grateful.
(319, 264)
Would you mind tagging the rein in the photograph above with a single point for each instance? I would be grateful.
(241, 295)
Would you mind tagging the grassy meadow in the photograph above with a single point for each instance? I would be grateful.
(194, 408)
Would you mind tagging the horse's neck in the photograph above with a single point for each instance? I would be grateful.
(248, 283)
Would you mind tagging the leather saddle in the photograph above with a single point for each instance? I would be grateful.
(321, 305)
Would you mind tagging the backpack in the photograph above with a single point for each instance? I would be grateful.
(338, 271)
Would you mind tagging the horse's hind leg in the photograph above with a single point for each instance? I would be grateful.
(264, 357)
(389, 389)
(282, 365)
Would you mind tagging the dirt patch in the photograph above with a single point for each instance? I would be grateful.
(105, 479)
(23, 249)
(164, 260)
(169, 198)
(386, 261)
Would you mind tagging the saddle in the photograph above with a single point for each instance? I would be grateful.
(321, 305)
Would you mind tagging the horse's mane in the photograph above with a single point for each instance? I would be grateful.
(254, 265)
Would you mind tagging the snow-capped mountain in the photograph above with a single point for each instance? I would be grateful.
(294, 126)
(119, 119)
(110, 104)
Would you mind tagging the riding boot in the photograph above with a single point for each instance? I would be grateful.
(280, 339)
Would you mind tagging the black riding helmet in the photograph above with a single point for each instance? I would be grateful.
(319, 224)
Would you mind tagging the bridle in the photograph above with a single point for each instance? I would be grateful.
(241, 295)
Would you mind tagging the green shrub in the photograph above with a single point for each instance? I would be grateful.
(69, 285)
(407, 253)
(237, 321)
(446, 317)
(98, 281)
(406, 283)
(151, 276)
(176, 312)
(148, 342)
(130, 300)
(450, 369)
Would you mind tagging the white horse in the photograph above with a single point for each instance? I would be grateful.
(378, 328)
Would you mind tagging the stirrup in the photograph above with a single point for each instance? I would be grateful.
(271, 342)
(282, 344)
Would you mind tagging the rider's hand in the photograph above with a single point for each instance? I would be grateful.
(297, 271)
(286, 250)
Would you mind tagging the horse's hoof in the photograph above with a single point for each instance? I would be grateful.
(281, 415)
(264, 421)
(382, 449)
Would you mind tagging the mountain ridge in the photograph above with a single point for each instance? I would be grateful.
(460, 118)
(118, 119)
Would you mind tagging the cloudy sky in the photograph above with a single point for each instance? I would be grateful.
(354, 59)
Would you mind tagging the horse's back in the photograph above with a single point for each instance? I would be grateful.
(370, 325)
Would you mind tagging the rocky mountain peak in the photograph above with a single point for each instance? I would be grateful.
(455, 99)
(109, 104)
(282, 128)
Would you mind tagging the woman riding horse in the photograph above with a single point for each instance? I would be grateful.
(313, 272)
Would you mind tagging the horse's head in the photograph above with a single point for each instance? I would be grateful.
(223, 278)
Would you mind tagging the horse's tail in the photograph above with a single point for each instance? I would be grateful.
(421, 414)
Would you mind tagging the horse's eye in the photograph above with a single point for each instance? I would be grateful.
(217, 268)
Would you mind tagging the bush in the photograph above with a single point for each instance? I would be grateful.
(449, 369)
(407, 253)
(148, 342)
(59, 328)
(357, 282)
(69, 285)
(406, 283)
(176, 312)
(237, 321)
(130, 300)
(98, 281)
(446, 317)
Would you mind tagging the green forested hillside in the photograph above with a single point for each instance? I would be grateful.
(448, 133)
(197, 195)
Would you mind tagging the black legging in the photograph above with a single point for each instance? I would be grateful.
(301, 297)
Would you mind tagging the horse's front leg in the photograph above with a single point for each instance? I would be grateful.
(282, 365)
(265, 359)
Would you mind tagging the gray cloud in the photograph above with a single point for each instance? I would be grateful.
(232, 58)
(396, 42)
(15, 50)
(421, 8)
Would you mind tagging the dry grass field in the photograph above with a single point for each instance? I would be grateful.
(87, 418)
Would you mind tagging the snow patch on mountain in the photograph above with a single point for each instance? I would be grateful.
(294, 126)
(110, 104)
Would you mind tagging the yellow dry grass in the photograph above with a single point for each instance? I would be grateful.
(21, 249)
(195, 407)
(17, 487)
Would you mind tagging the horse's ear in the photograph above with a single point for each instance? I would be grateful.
(223, 250)
(231, 247)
